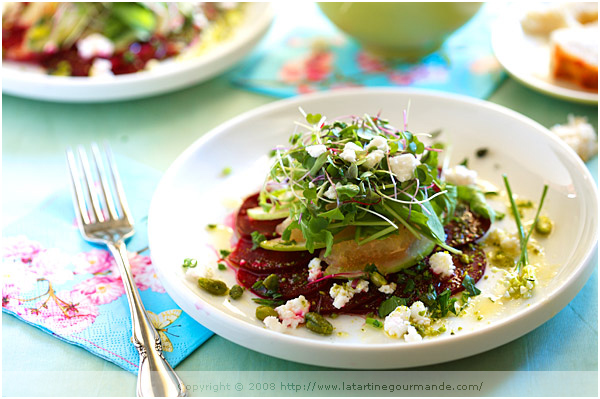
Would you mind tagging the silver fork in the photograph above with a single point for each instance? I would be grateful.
(102, 220)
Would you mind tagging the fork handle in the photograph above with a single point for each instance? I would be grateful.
(155, 376)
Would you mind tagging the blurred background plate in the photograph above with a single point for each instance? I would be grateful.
(28, 82)
(527, 58)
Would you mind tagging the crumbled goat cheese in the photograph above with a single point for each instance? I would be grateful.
(95, 45)
(316, 150)
(380, 143)
(293, 312)
(388, 288)
(520, 286)
(403, 166)
(101, 67)
(460, 175)
(441, 263)
(349, 153)
(331, 192)
(342, 293)
(579, 135)
(373, 158)
(508, 242)
(412, 335)
(418, 313)
(396, 323)
(274, 324)
(314, 269)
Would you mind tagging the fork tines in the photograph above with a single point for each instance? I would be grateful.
(93, 186)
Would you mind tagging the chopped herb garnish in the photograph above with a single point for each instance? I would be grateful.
(389, 305)
(189, 263)
(211, 226)
(469, 285)
(221, 266)
(257, 238)
(374, 322)
(268, 302)
(224, 253)
(482, 152)
(226, 171)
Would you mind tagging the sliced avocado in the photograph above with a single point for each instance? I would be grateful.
(416, 251)
(277, 244)
(259, 214)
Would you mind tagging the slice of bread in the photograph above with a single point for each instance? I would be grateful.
(575, 55)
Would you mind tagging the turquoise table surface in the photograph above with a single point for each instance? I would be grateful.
(155, 131)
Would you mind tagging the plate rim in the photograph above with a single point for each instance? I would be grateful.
(237, 46)
(582, 273)
(507, 19)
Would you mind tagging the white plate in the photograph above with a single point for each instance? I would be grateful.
(527, 58)
(192, 195)
(167, 76)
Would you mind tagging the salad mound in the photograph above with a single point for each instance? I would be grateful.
(98, 39)
(355, 214)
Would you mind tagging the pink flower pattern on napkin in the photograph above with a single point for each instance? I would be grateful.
(34, 278)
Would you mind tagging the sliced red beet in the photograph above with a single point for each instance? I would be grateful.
(421, 280)
(261, 260)
(466, 227)
(246, 225)
(292, 282)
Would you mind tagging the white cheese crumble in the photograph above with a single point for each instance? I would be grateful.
(520, 286)
(101, 67)
(380, 143)
(460, 175)
(95, 45)
(401, 322)
(396, 323)
(293, 312)
(331, 192)
(316, 150)
(441, 263)
(418, 313)
(273, 323)
(349, 153)
(403, 166)
(508, 242)
(314, 269)
(412, 335)
(388, 288)
(373, 158)
(342, 293)
(579, 135)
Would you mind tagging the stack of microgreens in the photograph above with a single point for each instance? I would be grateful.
(362, 173)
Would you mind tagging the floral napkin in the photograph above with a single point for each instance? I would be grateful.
(54, 280)
(306, 53)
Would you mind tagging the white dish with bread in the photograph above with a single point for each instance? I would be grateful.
(551, 47)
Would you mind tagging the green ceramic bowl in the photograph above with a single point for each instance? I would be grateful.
(399, 30)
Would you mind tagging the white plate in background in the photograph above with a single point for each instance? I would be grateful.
(527, 58)
(25, 81)
(192, 194)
